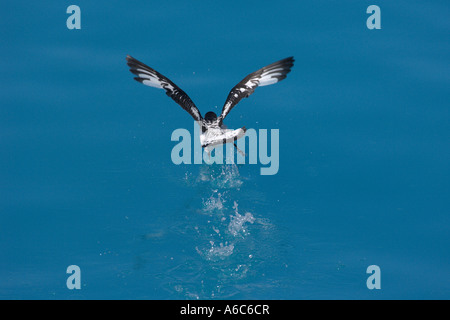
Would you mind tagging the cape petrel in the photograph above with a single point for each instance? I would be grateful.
(213, 130)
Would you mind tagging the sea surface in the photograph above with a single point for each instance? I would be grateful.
(87, 178)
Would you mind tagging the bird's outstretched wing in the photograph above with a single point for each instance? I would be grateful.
(270, 74)
(153, 78)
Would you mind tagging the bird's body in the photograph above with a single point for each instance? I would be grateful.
(217, 136)
(213, 130)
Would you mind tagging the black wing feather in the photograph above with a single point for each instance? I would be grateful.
(270, 74)
(153, 78)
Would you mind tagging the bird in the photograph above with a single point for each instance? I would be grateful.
(213, 130)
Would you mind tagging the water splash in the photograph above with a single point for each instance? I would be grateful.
(238, 221)
(217, 252)
(220, 176)
(213, 203)
(223, 246)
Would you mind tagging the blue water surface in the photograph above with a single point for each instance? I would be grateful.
(86, 176)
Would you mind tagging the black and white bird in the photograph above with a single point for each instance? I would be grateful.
(213, 131)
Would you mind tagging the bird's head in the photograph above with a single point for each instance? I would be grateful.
(210, 117)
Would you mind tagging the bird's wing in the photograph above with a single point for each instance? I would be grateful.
(270, 74)
(153, 78)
